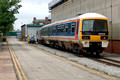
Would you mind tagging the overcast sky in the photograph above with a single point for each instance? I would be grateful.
(30, 9)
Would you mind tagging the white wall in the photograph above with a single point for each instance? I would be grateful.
(32, 30)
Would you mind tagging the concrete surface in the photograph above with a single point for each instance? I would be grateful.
(40, 66)
(89, 63)
(7, 71)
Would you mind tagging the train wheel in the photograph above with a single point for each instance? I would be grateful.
(80, 53)
(63, 47)
(75, 49)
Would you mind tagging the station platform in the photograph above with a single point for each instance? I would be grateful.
(7, 71)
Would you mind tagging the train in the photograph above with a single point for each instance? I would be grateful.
(31, 38)
(86, 33)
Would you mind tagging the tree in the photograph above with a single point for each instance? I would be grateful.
(7, 10)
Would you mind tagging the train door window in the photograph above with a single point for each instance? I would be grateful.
(64, 29)
(73, 27)
(56, 26)
(69, 28)
(77, 26)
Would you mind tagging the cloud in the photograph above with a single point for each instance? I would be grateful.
(30, 9)
(34, 10)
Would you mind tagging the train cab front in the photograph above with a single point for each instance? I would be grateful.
(94, 34)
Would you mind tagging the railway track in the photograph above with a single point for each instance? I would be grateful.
(103, 60)
(107, 61)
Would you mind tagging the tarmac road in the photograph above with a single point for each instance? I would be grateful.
(38, 65)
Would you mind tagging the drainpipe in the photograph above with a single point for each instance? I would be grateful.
(111, 27)
(80, 6)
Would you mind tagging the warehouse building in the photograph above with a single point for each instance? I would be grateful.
(63, 9)
(27, 29)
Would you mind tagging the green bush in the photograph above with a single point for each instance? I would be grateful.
(1, 38)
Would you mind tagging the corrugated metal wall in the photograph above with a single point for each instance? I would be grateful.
(72, 8)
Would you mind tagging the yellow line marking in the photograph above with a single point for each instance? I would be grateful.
(16, 62)
(25, 78)
(78, 65)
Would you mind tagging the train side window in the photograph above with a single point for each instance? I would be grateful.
(42, 32)
(46, 31)
(49, 30)
(66, 28)
(54, 29)
(73, 27)
(59, 29)
(63, 28)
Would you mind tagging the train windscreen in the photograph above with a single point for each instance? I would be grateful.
(94, 26)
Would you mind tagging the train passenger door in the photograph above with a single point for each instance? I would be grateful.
(69, 29)
(73, 26)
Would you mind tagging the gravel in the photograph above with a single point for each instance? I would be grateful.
(111, 56)
(110, 70)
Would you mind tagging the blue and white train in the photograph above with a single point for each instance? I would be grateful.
(88, 32)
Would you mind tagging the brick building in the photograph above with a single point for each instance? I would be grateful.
(41, 21)
(63, 9)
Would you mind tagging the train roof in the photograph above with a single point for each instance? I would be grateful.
(86, 15)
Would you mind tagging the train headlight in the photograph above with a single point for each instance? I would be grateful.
(104, 37)
(86, 37)
(86, 43)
